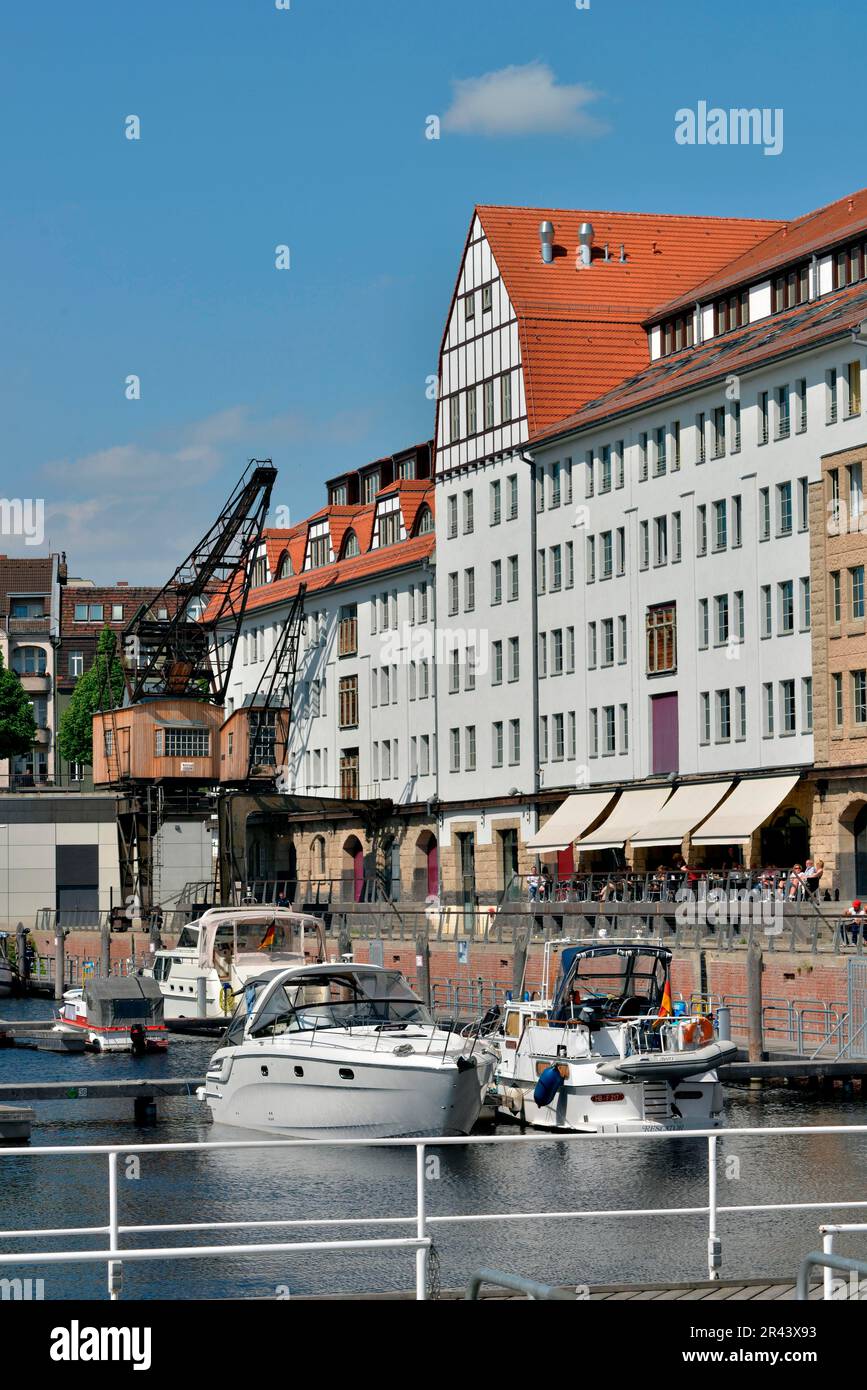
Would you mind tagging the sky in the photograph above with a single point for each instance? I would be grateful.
(304, 124)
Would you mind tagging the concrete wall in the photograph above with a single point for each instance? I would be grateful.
(32, 829)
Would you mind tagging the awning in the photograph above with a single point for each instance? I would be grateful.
(751, 802)
(689, 806)
(632, 813)
(569, 821)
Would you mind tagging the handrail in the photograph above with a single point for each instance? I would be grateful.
(516, 1283)
(420, 1241)
(820, 1257)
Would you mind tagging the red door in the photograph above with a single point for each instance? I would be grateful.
(432, 871)
(358, 874)
(664, 732)
(565, 863)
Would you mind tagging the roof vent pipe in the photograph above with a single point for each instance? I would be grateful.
(622, 254)
(585, 243)
(546, 236)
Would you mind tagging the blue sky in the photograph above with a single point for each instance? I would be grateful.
(306, 127)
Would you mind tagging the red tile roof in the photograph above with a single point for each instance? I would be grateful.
(777, 336)
(580, 329)
(815, 231)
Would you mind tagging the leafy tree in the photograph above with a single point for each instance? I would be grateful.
(17, 725)
(99, 688)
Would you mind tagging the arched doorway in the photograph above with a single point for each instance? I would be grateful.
(317, 858)
(859, 830)
(786, 841)
(353, 869)
(426, 878)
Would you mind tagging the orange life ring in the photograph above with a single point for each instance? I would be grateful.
(702, 1029)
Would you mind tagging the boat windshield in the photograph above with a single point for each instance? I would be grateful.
(381, 999)
(271, 938)
(617, 980)
(189, 938)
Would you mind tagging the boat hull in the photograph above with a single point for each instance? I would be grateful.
(346, 1098)
(600, 1107)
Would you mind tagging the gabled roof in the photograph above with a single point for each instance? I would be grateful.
(580, 328)
(806, 326)
(815, 231)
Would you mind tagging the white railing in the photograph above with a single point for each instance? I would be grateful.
(421, 1223)
(828, 1233)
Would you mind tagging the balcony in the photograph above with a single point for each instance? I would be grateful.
(35, 684)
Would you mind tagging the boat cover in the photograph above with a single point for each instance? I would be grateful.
(123, 1000)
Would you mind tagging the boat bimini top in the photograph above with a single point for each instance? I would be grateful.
(254, 934)
(600, 983)
(312, 998)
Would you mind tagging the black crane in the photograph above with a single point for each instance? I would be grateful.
(176, 655)
(275, 690)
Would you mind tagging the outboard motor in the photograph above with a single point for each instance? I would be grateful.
(137, 1038)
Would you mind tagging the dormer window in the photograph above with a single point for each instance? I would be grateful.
(351, 546)
(284, 566)
(850, 265)
(370, 485)
(260, 572)
(339, 495)
(677, 333)
(792, 289)
(318, 546)
(425, 523)
(732, 312)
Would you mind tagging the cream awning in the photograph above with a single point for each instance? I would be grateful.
(569, 821)
(751, 802)
(689, 806)
(631, 814)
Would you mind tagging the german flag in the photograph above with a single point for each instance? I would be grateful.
(665, 1007)
(268, 939)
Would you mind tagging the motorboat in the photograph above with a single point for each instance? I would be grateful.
(610, 1052)
(7, 970)
(344, 1050)
(224, 948)
(120, 1014)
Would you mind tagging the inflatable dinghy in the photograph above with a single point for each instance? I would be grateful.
(668, 1066)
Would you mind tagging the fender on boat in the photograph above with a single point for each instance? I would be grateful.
(549, 1083)
(668, 1066)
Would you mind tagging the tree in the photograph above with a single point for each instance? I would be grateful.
(17, 724)
(99, 688)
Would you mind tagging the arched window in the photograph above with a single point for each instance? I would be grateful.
(317, 857)
(351, 546)
(284, 566)
(425, 521)
(29, 661)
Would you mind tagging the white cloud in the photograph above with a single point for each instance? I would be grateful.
(521, 101)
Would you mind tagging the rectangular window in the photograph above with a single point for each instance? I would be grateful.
(496, 581)
(496, 663)
(837, 699)
(570, 649)
(831, 396)
(472, 417)
(605, 469)
(622, 638)
(588, 473)
(642, 457)
(720, 525)
(661, 628)
(741, 712)
(543, 738)
(739, 615)
(853, 388)
(591, 646)
(719, 431)
(643, 545)
(737, 522)
(807, 704)
(659, 459)
(593, 733)
(555, 485)
(675, 445)
(469, 513)
(721, 619)
(514, 741)
(606, 554)
(624, 728)
(621, 550)
(736, 427)
(765, 610)
(469, 590)
(512, 485)
(348, 702)
(570, 565)
(470, 747)
(619, 465)
(187, 743)
(836, 597)
(805, 616)
(762, 432)
(801, 405)
(555, 558)
(452, 516)
(506, 397)
(607, 641)
(700, 445)
(495, 503)
(454, 593)
(590, 549)
(558, 741)
(703, 624)
(723, 716)
(768, 701)
(540, 572)
(660, 540)
(764, 514)
(803, 504)
(786, 606)
(676, 538)
(704, 717)
(542, 654)
(701, 530)
(609, 730)
(454, 750)
(488, 404)
(514, 658)
(497, 744)
(783, 414)
(557, 651)
(513, 577)
(788, 721)
(784, 509)
(856, 491)
(856, 591)
(454, 434)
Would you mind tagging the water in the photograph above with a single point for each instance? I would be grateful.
(543, 1175)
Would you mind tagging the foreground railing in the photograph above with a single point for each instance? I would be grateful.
(421, 1223)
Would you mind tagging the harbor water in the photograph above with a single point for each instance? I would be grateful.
(546, 1174)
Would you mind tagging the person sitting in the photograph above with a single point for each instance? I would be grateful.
(813, 877)
(853, 921)
(545, 884)
(532, 887)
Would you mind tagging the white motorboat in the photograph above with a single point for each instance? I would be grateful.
(224, 948)
(121, 1014)
(610, 1052)
(344, 1050)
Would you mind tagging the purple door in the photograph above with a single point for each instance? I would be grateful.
(663, 726)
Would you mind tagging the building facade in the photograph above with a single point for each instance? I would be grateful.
(29, 635)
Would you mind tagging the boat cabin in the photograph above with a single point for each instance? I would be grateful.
(600, 983)
(252, 938)
(327, 997)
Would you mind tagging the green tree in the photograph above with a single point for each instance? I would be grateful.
(17, 725)
(99, 688)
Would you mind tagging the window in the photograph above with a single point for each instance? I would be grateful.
(454, 671)
(831, 396)
(764, 514)
(186, 743)
(497, 744)
(659, 461)
(765, 610)
(488, 404)
(768, 701)
(84, 612)
(619, 469)
(512, 485)
(853, 389)
(739, 615)
(468, 513)
(117, 612)
(590, 576)
(723, 716)
(803, 504)
(454, 594)
(469, 590)
(719, 431)
(472, 416)
(557, 651)
(643, 545)
(624, 728)
(737, 522)
(608, 731)
(622, 638)
(558, 742)
(513, 577)
(452, 516)
(555, 485)
(605, 469)
(555, 556)
(704, 717)
(514, 658)
(736, 426)
(621, 550)
(801, 405)
(856, 492)
(514, 741)
(786, 597)
(703, 624)
(805, 617)
(496, 581)
(700, 454)
(642, 456)
(836, 597)
(31, 661)
(593, 733)
(661, 623)
(783, 414)
(788, 721)
(567, 482)
(496, 502)
(347, 631)
(542, 654)
(591, 646)
(570, 649)
(454, 433)
(837, 699)
(607, 641)
(606, 554)
(784, 509)
(721, 619)
(807, 704)
(660, 540)
(469, 308)
(540, 571)
(720, 525)
(741, 712)
(496, 663)
(762, 434)
(701, 530)
(543, 738)
(856, 591)
(318, 550)
(506, 397)
(454, 750)
(75, 663)
(349, 774)
(470, 747)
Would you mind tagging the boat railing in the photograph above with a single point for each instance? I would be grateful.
(413, 1232)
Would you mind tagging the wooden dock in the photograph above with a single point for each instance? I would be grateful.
(706, 1291)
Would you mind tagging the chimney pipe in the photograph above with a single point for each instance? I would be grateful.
(622, 254)
(585, 244)
(546, 237)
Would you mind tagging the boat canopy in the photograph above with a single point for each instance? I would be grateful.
(122, 1001)
(615, 973)
(268, 933)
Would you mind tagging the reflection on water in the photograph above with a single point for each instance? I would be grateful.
(542, 1175)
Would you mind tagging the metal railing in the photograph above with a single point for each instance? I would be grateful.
(628, 886)
(421, 1223)
(828, 1233)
